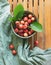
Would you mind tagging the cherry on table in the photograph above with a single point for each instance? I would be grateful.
(14, 52)
(11, 46)
(36, 43)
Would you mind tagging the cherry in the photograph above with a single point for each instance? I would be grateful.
(32, 31)
(33, 18)
(26, 23)
(30, 15)
(29, 32)
(25, 26)
(21, 34)
(36, 43)
(14, 52)
(20, 31)
(16, 30)
(20, 26)
(25, 18)
(29, 21)
(17, 22)
(26, 31)
(25, 34)
(11, 46)
(22, 22)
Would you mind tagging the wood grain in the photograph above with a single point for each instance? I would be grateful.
(14, 3)
(48, 23)
(30, 5)
(36, 8)
(41, 20)
(10, 1)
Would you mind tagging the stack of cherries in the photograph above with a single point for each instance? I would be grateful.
(22, 27)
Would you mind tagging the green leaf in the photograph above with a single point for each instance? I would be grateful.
(19, 16)
(10, 18)
(18, 13)
(36, 26)
(18, 9)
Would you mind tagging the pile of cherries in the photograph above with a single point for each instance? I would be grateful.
(22, 27)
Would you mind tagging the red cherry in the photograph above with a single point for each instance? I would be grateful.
(36, 43)
(30, 15)
(32, 31)
(29, 21)
(22, 22)
(26, 31)
(20, 31)
(14, 52)
(20, 26)
(25, 34)
(26, 23)
(11, 46)
(21, 34)
(16, 30)
(29, 33)
(33, 18)
(25, 26)
(17, 22)
(25, 18)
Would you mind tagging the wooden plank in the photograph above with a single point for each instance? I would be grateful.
(10, 1)
(36, 8)
(19, 1)
(48, 23)
(41, 19)
(30, 6)
(25, 4)
(35, 11)
(14, 3)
